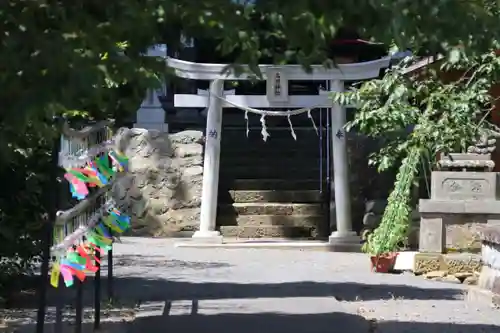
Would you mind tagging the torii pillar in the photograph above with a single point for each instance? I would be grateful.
(344, 236)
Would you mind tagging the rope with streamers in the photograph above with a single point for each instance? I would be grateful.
(246, 121)
(291, 128)
(263, 131)
(272, 113)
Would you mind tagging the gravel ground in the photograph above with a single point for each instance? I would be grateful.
(189, 290)
(245, 290)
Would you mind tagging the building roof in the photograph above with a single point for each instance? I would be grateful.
(422, 62)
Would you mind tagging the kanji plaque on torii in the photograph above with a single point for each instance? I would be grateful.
(277, 85)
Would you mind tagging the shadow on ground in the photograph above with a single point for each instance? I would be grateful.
(157, 290)
(252, 320)
(268, 322)
(146, 290)
(286, 323)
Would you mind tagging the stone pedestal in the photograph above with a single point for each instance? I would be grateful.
(437, 214)
(153, 126)
(347, 241)
(151, 115)
(211, 237)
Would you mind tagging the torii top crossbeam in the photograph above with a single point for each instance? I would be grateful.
(345, 72)
(277, 78)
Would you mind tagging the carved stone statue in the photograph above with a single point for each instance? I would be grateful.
(477, 157)
(486, 144)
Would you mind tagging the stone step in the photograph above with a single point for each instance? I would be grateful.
(277, 220)
(270, 231)
(297, 160)
(239, 147)
(269, 184)
(263, 164)
(271, 140)
(276, 153)
(266, 208)
(258, 156)
(310, 151)
(228, 164)
(264, 171)
(273, 157)
(305, 196)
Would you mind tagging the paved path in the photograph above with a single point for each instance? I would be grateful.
(276, 291)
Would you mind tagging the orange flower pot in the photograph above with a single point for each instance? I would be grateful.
(383, 263)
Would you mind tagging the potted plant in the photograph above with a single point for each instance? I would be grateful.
(380, 262)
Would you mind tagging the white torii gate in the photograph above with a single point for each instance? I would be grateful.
(277, 96)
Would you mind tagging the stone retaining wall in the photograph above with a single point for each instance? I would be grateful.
(163, 186)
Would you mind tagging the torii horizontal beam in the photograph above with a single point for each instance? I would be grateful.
(256, 101)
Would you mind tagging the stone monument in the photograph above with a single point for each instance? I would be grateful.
(464, 191)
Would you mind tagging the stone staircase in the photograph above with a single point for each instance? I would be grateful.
(270, 189)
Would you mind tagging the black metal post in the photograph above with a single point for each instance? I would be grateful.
(78, 306)
(59, 310)
(110, 276)
(97, 292)
(42, 291)
(47, 235)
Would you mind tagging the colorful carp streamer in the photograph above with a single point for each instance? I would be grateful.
(80, 259)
